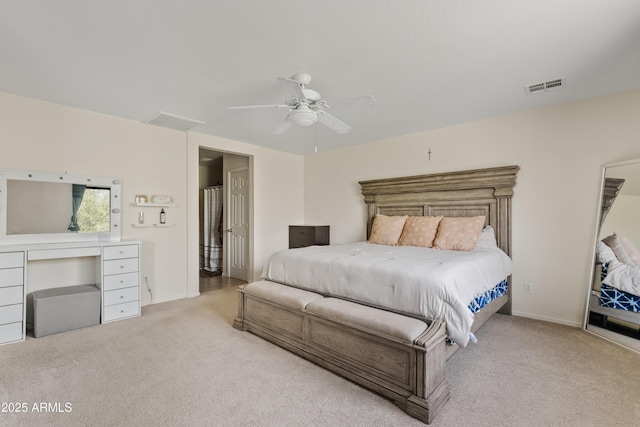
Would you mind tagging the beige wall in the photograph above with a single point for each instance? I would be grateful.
(41, 136)
(623, 219)
(560, 151)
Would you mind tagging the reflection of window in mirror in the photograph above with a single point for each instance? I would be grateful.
(93, 214)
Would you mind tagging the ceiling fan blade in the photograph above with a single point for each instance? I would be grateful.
(251, 107)
(333, 123)
(293, 87)
(356, 101)
(282, 127)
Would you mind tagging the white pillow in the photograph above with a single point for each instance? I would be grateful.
(487, 238)
(624, 250)
(604, 253)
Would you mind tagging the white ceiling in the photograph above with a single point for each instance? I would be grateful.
(428, 63)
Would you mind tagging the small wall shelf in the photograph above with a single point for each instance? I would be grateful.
(141, 225)
(154, 205)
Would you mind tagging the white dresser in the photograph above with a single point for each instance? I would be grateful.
(121, 282)
(12, 307)
(118, 275)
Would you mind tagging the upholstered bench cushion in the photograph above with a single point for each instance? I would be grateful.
(372, 319)
(286, 295)
(64, 309)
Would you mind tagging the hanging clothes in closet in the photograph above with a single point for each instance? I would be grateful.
(212, 239)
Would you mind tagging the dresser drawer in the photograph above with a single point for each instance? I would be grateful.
(120, 311)
(117, 281)
(11, 314)
(120, 296)
(118, 252)
(11, 332)
(12, 259)
(11, 295)
(11, 277)
(119, 266)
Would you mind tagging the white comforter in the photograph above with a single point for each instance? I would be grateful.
(432, 283)
(624, 277)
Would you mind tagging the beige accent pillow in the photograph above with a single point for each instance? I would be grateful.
(459, 233)
(420, 231)
(624, 250)
(386, 230)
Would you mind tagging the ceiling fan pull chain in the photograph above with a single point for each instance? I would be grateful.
(315, 137)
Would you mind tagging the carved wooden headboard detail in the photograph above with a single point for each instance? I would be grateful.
(610, 191)
(476, 192)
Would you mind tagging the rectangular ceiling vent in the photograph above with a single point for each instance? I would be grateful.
(545, 86)
(173, 121)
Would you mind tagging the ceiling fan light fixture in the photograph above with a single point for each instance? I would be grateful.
(306, 106)
(303, 117)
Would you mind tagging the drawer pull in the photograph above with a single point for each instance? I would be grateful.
(121, 267)
(121, 311)
(121, 281)
(121, 296)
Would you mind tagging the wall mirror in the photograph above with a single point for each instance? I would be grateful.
(613, 306)
(42, 207)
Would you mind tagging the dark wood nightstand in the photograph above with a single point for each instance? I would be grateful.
(308, 235)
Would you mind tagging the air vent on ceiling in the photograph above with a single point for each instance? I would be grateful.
(172, 121)
(545, 86)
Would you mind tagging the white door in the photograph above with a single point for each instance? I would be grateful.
(238, 224)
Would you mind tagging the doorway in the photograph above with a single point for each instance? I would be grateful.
(223, 213)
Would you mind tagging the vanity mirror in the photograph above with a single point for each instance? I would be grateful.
(42, 207)
(613, 307)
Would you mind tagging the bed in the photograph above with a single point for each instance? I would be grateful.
(398, 351)
(616, 291)
(421, 282)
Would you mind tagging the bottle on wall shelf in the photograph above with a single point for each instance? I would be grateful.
(163, 216)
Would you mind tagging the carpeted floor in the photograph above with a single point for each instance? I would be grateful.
(182, 363)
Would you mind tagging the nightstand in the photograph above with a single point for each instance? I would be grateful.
(308, 235)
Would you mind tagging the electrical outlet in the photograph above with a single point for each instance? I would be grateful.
(528, 288)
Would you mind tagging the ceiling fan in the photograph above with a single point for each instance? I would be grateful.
(306, 106)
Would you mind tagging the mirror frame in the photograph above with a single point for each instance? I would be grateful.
(114, 185)
(596, 238)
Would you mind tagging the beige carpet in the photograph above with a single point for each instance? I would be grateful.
(182, 363)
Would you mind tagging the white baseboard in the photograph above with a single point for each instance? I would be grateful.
(547, 319)
(171, 298)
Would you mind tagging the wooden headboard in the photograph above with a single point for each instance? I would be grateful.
(476, 192)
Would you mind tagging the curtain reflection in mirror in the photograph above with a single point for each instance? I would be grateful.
(77, 192)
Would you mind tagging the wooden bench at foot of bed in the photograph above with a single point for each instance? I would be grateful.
(399, 357)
